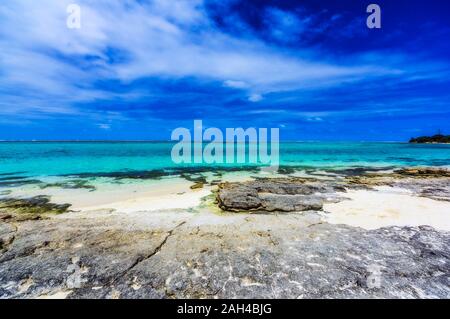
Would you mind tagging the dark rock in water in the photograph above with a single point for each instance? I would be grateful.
(199, 180)
(357, 171)
(31, 208)
(197, 185)
(9, 178)
(193, 178)
(215, 182)
(5, 192)
(71, 184)
(271, 195)
(286, 170)
(424, 172)
(12, 173)
(19, 182)
(185, 172)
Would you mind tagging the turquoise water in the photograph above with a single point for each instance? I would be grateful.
(52, 158)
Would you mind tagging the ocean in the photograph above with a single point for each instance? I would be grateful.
(34, 159)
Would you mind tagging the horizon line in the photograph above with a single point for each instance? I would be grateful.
(166, 141)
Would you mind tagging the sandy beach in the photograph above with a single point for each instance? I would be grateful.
(388, 206)
(379, 207)
(232, 149)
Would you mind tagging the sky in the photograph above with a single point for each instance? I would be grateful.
(138, 69)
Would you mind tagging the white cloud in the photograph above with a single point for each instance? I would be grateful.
(104, 126)
(169, 39)
(236, 84)
(255, 98)
(314, 119)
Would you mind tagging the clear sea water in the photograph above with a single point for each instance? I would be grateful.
(65, 158)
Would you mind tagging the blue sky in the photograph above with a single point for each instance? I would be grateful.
(137, 69)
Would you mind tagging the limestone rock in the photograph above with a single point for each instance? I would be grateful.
(295, 256)
(271, 195)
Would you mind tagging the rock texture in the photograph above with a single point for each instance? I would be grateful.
(432, 183)
(30, 208)
(244, 256)
(205, 254)
(424, 172)
(276, 195)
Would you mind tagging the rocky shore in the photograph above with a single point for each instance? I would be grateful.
(261, 238)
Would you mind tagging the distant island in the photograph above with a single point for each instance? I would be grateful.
(438, 138)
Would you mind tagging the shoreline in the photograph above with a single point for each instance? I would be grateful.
(237, 235)
(175, 192)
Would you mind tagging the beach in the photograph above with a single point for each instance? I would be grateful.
(349, 232)
(229, 150)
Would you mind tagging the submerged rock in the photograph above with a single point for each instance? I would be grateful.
(19, 182)
(424, 172)
(5, 192)
(70, 184)
(197, 185)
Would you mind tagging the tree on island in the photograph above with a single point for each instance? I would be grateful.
(437, 138)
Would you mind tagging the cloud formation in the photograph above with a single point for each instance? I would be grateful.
(137, 59)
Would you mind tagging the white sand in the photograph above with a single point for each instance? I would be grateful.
(147, 195)
(367, 209)
(162, 199)
(388, 207)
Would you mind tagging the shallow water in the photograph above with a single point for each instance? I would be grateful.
(112, 159)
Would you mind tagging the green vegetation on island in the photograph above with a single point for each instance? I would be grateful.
(438, 138)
